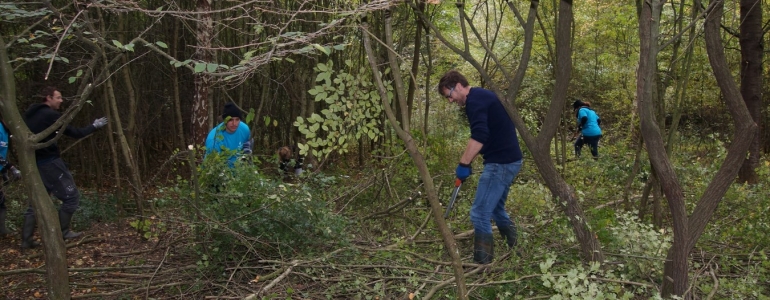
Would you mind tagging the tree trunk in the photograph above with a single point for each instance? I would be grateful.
(422, 167)
(398, 80)
(130, 91)
(751, 80)
(114, 154)
(686, 235)
(415, 63)
(649, 23)
(200, 106)
(45, 213)
(175, 91)
(128, 156)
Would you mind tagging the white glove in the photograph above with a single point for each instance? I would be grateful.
(100, 122)
(15, 173)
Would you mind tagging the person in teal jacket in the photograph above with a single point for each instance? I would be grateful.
(8, 170)
(589, 128)
(231, 137)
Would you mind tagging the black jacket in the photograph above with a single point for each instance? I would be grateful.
(40, 116)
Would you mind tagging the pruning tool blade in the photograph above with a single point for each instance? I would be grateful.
(458, 184)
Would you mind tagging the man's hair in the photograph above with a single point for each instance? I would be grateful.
(48, 91)
(450, 80)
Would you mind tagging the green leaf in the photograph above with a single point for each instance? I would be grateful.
(211, 67)
(117, 44)
(199, 67)
(321, 48)
(129, 47)
(64, 59)
(289, 60)
(72, 79)
(80, 73)
(161, 44)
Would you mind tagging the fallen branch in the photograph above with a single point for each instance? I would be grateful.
(274, 282)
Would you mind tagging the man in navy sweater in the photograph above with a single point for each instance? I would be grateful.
(54, 173)
(493, 135)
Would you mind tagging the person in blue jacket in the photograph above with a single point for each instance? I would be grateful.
(589, 130)
(231, 137)
(493, 135)
(9, 172)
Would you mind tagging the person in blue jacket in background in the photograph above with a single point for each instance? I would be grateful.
(231, 137)
(589, 130)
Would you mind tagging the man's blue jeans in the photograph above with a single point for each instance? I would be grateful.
(494, 184)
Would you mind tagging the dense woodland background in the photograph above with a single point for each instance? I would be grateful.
(679, 86)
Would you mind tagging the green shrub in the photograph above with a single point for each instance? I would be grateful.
(239, 208)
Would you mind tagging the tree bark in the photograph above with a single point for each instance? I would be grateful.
(751, 80)
(200, 106)
(175, 90)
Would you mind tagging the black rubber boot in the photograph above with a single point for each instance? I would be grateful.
(26, 233)
(483, 245)
(3, 230)
(509, 234)
(64, 220)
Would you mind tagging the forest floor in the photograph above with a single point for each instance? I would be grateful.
(109, 261)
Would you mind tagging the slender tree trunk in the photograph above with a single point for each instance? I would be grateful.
(422, 167)
(114, 153)
(45, 213)
(632, 177)
(398, 81)
(649, 22)
(128, 156)
(415, 63)
(175, 91)
(200, 106)
(130, 92)
(751, 80)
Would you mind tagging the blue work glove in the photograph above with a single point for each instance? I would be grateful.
(463, 171)
(247, 147)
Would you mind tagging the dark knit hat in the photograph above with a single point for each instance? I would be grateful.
(231, 111)
(578, 104)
